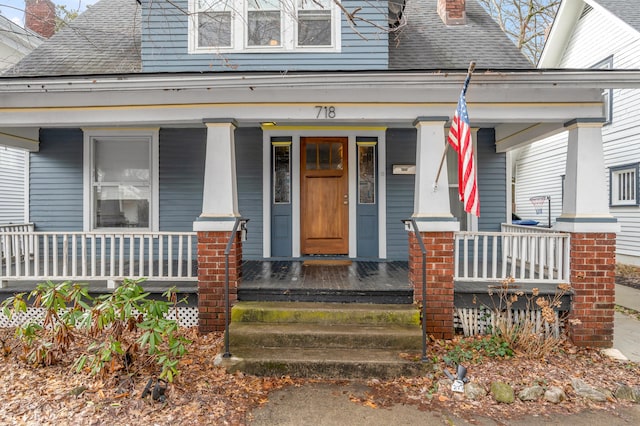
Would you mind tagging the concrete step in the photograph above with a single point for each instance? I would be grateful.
(325, 313)
(287, 294)
(325, 363)
(305, 335)
(338, 340)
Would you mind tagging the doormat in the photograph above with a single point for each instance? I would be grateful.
(327, 262)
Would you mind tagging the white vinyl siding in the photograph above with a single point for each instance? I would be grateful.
(596, 37)
(539, 170)
(13, 163)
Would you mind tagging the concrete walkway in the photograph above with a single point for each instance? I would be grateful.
(626, 337)
(322, 404)
(330, 405)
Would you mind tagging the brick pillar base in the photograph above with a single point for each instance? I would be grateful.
(440, 266)
(593, 281)
(211, 277)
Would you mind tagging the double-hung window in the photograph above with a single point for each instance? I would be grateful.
(314, 22)
(121, 180)
(264, 23)
(623, 182)
(234, 26)
(214, 23)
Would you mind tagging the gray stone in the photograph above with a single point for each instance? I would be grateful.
(628, 393)
(443, 385)
(474, 390)
(532, 393)
(606, 392)
(502, 392)
(584, 390)
(555, 395)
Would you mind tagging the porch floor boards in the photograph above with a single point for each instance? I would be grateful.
(293, 281)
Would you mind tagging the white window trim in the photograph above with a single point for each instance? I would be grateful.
(27, 187)
(154, 213)
(239, 42)
(614, 173)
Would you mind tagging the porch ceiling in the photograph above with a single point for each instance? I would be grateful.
(521, 105)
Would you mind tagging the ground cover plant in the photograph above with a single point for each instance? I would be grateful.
(115, 332)
(35, 392)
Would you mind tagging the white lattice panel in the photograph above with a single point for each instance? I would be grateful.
(479, 321)
(187, 317)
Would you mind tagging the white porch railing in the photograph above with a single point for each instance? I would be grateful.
(525, 256)
(16, 244)
(159, 256)
(523, 229)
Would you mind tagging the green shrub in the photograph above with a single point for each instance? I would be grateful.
(119, 328)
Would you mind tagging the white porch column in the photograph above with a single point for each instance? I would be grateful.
(220, 197)
(431, 208)
(585, 213)
(585, 207)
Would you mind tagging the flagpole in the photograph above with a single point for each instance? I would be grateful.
(472, 66)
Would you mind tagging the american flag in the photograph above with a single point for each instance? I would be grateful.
(460, 140)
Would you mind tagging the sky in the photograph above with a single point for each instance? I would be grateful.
(14, 9)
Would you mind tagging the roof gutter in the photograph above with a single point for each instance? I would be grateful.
(586, 79)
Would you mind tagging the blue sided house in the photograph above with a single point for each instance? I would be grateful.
(298, 130)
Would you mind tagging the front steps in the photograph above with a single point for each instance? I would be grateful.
(328, 340)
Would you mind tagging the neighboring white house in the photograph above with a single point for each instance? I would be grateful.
(591, 34)
(13, 185)
(15, 43)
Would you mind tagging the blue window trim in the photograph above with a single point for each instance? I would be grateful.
(612, 170)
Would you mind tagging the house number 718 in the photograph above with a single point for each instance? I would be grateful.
(325, 111)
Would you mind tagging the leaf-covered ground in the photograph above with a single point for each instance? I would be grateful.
(628, 275)
(206, 394)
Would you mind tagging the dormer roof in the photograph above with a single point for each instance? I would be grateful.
(106, 39)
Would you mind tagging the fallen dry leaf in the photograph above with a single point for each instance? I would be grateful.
(204, 394)
(370, 404)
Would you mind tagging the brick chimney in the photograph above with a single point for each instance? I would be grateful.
(40, 17)
(452, 12)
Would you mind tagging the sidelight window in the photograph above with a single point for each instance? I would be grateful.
(366, 170)
(281, 171)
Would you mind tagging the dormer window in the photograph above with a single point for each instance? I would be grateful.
(264, 23)
(214, 23)
(236, 26)
(314, 22)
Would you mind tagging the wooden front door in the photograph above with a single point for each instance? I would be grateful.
(324, 194)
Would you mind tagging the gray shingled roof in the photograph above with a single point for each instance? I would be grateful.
(105, 39)
(427, 43)
(626, 10)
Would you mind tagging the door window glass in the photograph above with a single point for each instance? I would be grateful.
(366, 174)
(282, 173)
